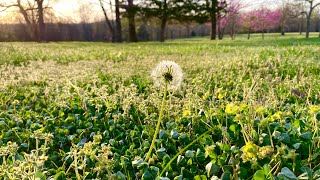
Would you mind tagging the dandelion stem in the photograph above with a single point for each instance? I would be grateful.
(181, 151)
(159, 122)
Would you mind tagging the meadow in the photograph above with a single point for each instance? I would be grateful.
(246, 109)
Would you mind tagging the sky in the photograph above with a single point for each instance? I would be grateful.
(69, 9)
(66, 7)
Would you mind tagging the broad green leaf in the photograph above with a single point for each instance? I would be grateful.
(306, 135)
(211, 169)
(287, 173)
(60, 176)
(200, 177)
(259, 175)
(174, 134)
(147, 176)
(189, 154)
(120, 176)
(40, 175)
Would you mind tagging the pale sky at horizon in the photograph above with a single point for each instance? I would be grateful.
(71, 4)
(69, 9)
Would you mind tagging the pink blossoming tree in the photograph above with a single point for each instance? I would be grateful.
(261, 20)
(230, 18)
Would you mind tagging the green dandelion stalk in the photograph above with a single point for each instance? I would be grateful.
(159, 122)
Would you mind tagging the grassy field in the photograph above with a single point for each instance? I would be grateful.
(246, 109)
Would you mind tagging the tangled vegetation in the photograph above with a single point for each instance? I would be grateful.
(245, 110)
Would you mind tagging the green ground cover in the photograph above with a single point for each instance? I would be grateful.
(246, 109)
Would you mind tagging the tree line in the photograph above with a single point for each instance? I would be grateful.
(143, 20)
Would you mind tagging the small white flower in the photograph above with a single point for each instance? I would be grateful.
(167, 72)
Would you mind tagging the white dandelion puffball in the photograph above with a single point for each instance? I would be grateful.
(167, 71)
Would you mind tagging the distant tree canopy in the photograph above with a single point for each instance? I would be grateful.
(135, 20)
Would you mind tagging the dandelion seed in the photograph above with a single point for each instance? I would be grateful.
(167, 72)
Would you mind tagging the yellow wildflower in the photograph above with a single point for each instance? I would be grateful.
(232, 108)
(313, 109)
(186, 113)
(250, 152)
(221, 94)
(276, 116)
(243, 107)
(260, 110)
(237, 118)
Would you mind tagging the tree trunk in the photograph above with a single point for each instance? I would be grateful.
(220, 32)
(214, 4)
(319, 28)
(163, 29)
(188, 31)
(41, 24)
(249, 33)
(232, 33)
(301, 26)
(213, 27)
(131, 21)
(282, 30)
(118, 30)
(308, 26)
(163, 21)
(132, 30)
(108, 21)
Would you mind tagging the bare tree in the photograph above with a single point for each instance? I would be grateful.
(33, 14)
(114, 26)
(309, 7)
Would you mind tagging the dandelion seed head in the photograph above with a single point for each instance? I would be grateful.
(167, 72)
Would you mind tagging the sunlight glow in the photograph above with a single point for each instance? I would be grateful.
(66, 8)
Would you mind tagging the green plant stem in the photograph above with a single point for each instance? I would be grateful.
(37, 147)
(316, 131)
(76, 165)
(4, 160)
(37, 155)
(246, 136)
(45, 146)
(84, 167)
(235, 170)
(15, 132)
(271, 141)
(181, 151)
(158, 124)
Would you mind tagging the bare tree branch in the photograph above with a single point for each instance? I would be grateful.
(6, 7)
(316, 5)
